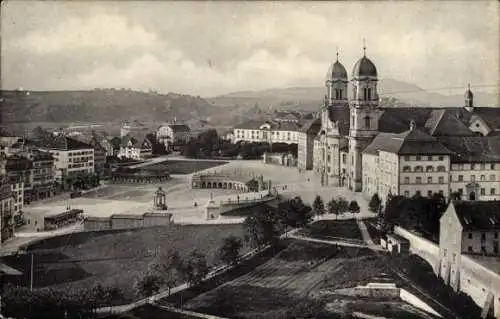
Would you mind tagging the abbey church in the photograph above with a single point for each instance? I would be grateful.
(356, 143)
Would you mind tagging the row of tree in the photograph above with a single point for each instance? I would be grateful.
(209, 144)
(418, 213)
(337, 207)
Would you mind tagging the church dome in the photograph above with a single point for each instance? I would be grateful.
(336, 71)
(364, 67)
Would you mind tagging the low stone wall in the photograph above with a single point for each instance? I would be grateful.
(422, 247)
(122, 221)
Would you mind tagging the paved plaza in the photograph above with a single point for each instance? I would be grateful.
(138, 199)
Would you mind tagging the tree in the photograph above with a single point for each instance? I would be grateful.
(318, 206)
(342, 205)
(295, 213)
(375, 204)
(230, 250)
(354, 207)
(148, 285)
(333, 208)
(167, 266)
(261, 228)
(194, 268)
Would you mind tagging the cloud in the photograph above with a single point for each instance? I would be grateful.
(166, 45)
(102, 31)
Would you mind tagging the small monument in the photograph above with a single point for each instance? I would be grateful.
(211, 208)
(160, 199)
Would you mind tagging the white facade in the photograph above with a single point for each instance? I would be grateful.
(69, 163)
(266, 134)
(137, 151)
(479, 181)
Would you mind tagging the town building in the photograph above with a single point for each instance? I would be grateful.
(135, 147)
(18, 173)
(469, 251)
(306, 144)
(43, 176)
(267, 131)
(6, 215)
(72, 158)
(102, 148)
(346, 150)
(173, 136)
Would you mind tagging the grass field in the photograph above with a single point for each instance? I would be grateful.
(281, 284)
(333, 229)
(185, 167)
(114, 259)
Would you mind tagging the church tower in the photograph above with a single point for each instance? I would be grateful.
(333, 112)
(469, 100)
(364, 116)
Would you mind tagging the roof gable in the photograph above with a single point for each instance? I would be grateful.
(478, 215)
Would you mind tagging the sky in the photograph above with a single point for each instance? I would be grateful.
(212, 48)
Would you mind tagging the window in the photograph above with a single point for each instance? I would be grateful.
(492, 177)
(469, 249)
(492, 191)
(429, 158)
(441, 168)
(470, 236)
(441, 180)
(496, 235)
(407, 180)
(482, 177)
(483, 236)
(454, 257)
(352, 118)
(344, 158)
(472, 166)
(407, 194)
(460, 191)
(429, 180)
(441, 158)
(441, 192)
(483, 191)
(406, 169)
(418, 158)
(367, 122)
(483, 166)
(460, 178)
(429, 169)
(418, 193)
(418, 180)
(492, 166)
(444, 253)
(429, 193)
(407, 158)
(473, 178)
(419, 169)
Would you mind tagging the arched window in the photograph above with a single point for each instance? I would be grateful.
(441, 168)
(429, 169)
(367, 122)
(406, 169)
(419, 169)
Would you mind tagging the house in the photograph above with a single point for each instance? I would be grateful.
(268, 131)
(469, 251)
(72, 158)
(6, 215)
(306, 143)
(173, 136)
(135, 147)
(101, 146)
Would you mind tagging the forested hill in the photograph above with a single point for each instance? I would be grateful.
(101, 106)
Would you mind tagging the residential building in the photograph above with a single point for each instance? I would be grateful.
(18, 173)
(135, 147)
(350, 125)
(267, 131)
(305, 145)
(469, 251)
(101, 146)
(72, 158)
(6, 215)
(43, 176)
(410, 163)
(173, 136)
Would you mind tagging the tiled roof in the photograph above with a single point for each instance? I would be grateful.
(410, 142)
(444, 122)
(397, 119)
(311, 127)
(478, 215)
(473, 148)
(275, 126)
(179, 127)
(44, 139)
(491, 115)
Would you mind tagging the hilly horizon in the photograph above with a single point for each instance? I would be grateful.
(406, 93)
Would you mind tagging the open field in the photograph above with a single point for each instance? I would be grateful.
(117, 258)
(283, 283)
(332, 229)
(184, 167)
